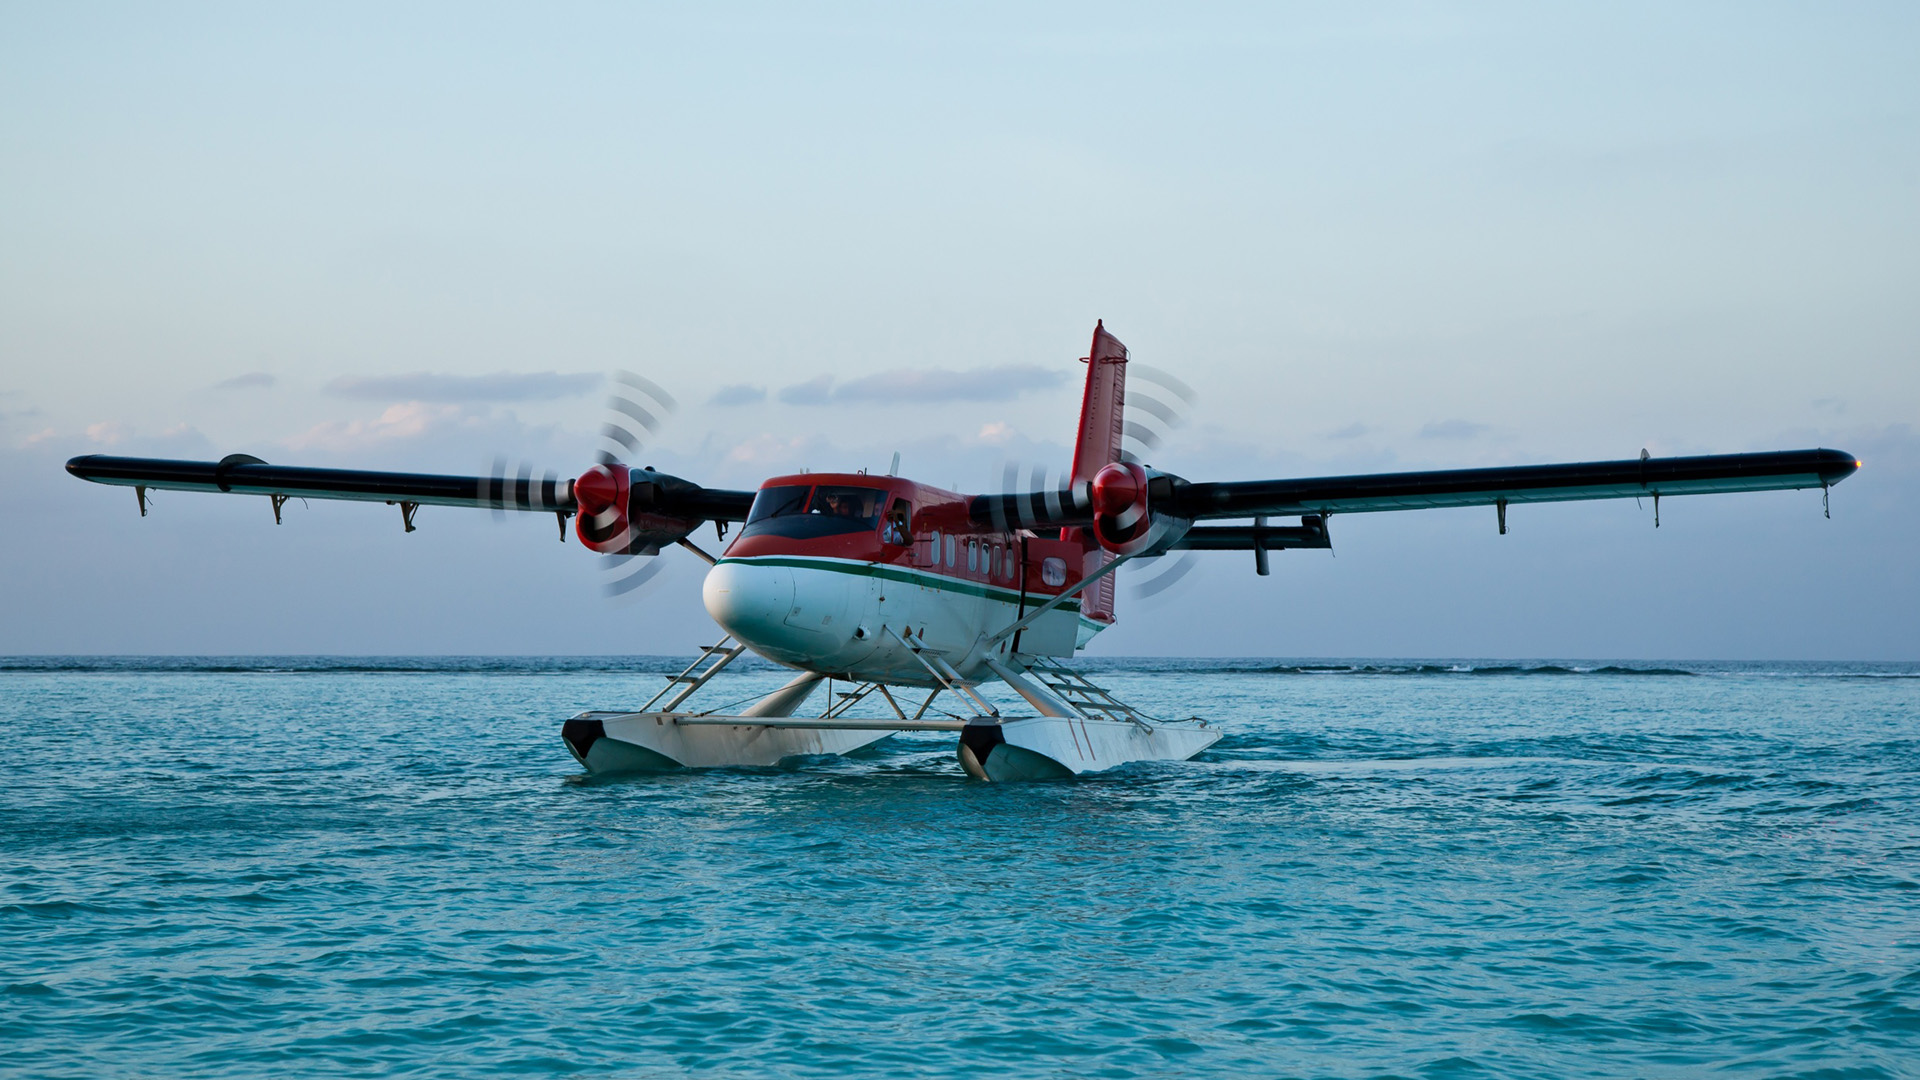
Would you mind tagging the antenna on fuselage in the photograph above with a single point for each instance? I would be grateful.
(894, 469)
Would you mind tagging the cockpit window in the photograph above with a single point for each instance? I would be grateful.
(802, 512)
(861, 504)
(777, 502)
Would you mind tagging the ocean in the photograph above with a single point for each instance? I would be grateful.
(250, 867)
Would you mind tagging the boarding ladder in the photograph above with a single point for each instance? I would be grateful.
(688, 682)
(1080, 692)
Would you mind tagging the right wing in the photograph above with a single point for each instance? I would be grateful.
(242, 474)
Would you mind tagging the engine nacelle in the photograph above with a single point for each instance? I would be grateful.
(616, 510)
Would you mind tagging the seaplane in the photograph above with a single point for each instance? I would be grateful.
(892, 588)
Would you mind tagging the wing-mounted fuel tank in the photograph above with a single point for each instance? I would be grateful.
(626, 511)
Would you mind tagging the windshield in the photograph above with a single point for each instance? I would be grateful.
(861, 504)
(800, 512)
(778, 502)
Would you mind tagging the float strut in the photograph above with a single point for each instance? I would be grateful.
(1259, 547)
(561, 517)
(278, 501)
(1826, 507)
(1500, 505)
(1656, 509)
(140, 495)
(406, 514)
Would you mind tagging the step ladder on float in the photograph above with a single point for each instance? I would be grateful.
(1081, 727)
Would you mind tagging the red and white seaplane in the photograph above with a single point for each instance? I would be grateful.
(885, 583)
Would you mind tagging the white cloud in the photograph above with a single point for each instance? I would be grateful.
(936, 385)
(108, 432)
(502, 386)
(406, 421)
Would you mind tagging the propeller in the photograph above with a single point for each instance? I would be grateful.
(1157, 405)
(636, 410)
(1032, 503)
(1152, 576)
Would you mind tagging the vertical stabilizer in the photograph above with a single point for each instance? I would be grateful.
(1102, 406)
(1097, 444)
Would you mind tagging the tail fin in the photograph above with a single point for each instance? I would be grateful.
(1103, 407)
(1097, 444)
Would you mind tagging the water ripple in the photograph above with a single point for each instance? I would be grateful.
(315, 866)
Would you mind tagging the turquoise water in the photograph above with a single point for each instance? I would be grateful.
(340, 868)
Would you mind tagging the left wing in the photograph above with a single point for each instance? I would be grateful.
(1180, 501)
(1704, 475)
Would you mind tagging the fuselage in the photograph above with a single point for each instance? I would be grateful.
(837, 572)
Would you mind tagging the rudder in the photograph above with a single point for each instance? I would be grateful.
(1096, 445)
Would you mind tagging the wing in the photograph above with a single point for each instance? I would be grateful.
(242, 474)
(1313, 499)
(1705, 475)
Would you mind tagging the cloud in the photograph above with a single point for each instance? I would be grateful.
(1351, 431)
(816, 391)
(763, 450)
(397, 422)
(108, 432)
(907, 385)
(252, 380)
(502, 386)
(1453, 429)
(739, 394)
(996, 433)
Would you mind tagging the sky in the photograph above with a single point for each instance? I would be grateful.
(1370, 238)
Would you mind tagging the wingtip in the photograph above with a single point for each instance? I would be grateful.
(1838, 465)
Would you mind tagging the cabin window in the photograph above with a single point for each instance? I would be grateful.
(950, 547)
(898, 528)
(973, 556)
(1010, 573)
(1053, 571)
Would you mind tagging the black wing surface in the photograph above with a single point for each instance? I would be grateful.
(1702, 475)
(243, 474)
(1318, 497)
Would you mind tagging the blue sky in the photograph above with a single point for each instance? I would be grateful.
(1384, 238)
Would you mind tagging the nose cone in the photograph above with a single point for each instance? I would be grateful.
(596, 490)
(751, 601)
(1115, 487)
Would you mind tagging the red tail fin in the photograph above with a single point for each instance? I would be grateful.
(1103, 406)
(1102, 411)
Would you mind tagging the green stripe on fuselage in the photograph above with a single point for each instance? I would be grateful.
(905, 576)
